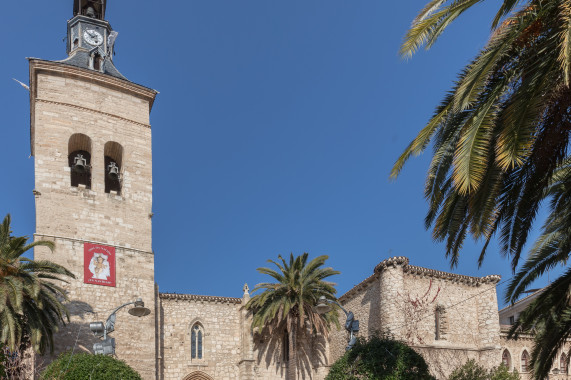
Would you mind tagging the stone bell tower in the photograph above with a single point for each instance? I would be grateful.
(91, 140)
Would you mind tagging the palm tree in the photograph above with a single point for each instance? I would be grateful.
(287, 305)
(549, 315)
(500, 141)
(502, 130)
(30, 307)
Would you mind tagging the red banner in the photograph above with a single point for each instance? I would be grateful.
(98, 264)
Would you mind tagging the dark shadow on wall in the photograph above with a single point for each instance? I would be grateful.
(311, 352)
(372, 298)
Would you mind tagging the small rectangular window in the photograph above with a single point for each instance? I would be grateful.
(512, 320)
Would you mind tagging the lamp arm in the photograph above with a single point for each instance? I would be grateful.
(110, 322)
(120, 307)
(341, 307)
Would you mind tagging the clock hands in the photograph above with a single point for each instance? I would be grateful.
(93, 37)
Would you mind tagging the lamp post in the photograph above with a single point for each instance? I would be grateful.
(107, 346)
(351, 324)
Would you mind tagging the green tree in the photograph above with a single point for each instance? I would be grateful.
(380, 358)
(500, 140)
(84, 366)
(30, 306)
(472, 371)
(502, 130)
(548, 317)
(287, 305)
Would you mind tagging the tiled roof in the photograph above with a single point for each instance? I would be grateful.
(196, 297)
(413, 269)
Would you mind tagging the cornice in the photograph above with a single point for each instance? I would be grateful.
(402, 261)
(196, 297)
(89, 76)
(39, 65)
(467, 280)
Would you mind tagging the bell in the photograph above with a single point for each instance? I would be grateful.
(79, 164)
(90, 12)
(113, 171)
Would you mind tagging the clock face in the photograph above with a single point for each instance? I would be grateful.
(93, 37)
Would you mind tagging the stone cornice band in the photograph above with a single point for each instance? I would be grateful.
(93, 242)
(194, 297)
(402, 261)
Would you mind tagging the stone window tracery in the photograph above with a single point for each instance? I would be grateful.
(524, 361)
(196, 341)
(507, 359)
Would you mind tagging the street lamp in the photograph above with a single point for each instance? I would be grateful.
(107, 346)
(351, 324)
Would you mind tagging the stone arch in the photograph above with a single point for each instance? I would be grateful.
(197, 340)
(524, 361)
(79, 159)
(113, 165)
(195, 321)
(197, 375)
(507, 358)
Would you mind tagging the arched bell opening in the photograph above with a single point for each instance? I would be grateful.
(113, 164)
(79, 160)
(90, 8)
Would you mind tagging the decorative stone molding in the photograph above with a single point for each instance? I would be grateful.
(468, 280)
(195, 297)
(402, 261)
(392, 262)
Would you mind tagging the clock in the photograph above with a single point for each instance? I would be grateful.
(93, 37)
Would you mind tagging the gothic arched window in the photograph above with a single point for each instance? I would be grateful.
(563, 364)
(196, 341)
(79, 160)
(113, 162)
(507, 359)
(524, 361)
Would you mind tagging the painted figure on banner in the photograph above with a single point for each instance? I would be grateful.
(99, 266)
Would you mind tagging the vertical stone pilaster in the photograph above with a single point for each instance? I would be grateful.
(247, 361)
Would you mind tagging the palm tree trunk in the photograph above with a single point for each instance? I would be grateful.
(292, 360)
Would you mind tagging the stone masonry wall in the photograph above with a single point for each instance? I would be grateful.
(135, 337)
(467, 316)
(66, 100)
(220, 318)
(365, 305)
(403, 300)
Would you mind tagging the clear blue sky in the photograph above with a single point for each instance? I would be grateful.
(274, 132)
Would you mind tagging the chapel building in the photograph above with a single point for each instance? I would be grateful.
(91, 141)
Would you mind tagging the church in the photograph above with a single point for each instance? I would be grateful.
(91, 142)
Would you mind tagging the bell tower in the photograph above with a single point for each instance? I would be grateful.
(91, 142)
